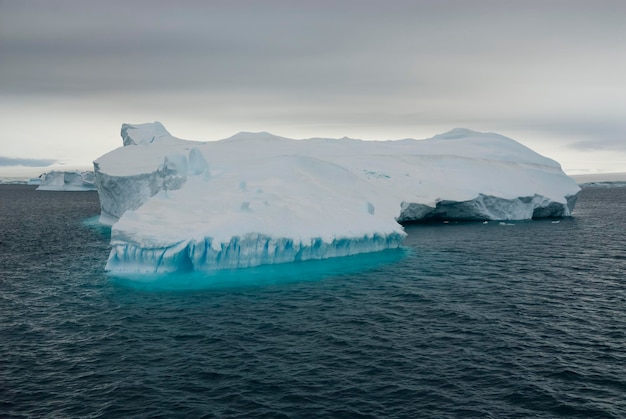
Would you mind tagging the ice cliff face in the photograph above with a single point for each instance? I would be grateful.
(143, 171)
(67, 181)
(256, 198)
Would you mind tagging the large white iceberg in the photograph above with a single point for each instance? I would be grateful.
(66, 181)
(256, 198)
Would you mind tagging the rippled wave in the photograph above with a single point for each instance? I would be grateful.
(471, 320)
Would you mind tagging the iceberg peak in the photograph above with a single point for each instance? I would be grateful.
(143, 134)
(457, 133)
(461, 133)
(256, 136)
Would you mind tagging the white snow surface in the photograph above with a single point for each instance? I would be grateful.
(256, 198)
(65, 181)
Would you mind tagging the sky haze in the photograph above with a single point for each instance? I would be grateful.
(549, 74)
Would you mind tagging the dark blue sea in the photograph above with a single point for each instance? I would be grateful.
(468, 320)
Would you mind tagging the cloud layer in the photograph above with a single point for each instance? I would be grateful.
(9, 161)
(551, 70)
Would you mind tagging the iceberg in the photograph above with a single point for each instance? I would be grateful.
(66, 181)
(256, 198)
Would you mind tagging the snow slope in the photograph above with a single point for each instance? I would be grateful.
(66, 181)
(256, 198)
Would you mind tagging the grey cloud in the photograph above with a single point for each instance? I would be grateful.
(576, 132)
(586, 133)
(339, 47)
(12, 161)
(604, 138)
(485, 64)
(596, 143)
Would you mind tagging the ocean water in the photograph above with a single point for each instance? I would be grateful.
(526, 319)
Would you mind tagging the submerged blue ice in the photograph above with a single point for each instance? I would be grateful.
(262, 275)
(241, 252)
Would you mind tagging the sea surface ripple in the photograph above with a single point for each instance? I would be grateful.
(470, 320)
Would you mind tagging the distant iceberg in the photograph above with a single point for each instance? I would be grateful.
(65, 181)
(256, 198)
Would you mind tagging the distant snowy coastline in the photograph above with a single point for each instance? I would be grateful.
(56, 181)
(593, 179)
(256, 198)
(14, 181)
(613, 184)
(601, 180)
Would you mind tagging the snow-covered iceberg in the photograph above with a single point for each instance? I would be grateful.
(256, 198)
(66, 181)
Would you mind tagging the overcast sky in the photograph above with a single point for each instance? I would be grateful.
(550, 74)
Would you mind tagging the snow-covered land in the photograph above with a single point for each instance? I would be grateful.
(66, 181)
(256, 198)
(601, 180)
